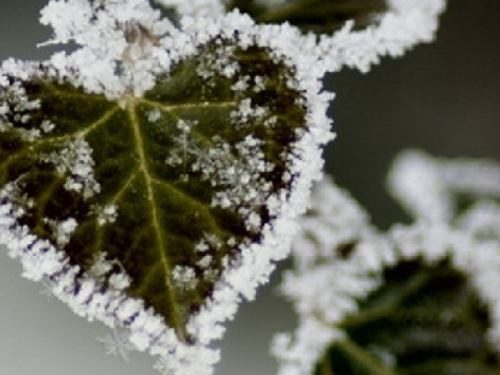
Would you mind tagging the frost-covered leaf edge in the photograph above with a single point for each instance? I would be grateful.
(405, 24)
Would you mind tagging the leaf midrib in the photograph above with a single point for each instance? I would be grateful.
(143, 167)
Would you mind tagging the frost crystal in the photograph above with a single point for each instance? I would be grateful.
(64, 231)
(117, 344)
(184, 277)
(107, 214)
(75, 160)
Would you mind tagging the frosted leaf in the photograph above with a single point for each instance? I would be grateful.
(94, 206)
(429, 288)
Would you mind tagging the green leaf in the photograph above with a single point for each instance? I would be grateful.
(423, 319)
(166, 187)
(319, 16)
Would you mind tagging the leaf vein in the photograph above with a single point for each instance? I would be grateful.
(156, 222)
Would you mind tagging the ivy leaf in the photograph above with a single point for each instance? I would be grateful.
(423, 319)
(154, 211)
(320, 16)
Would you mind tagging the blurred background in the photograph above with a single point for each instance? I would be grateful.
(443, 98)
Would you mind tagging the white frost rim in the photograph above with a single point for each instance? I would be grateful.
(405, 24)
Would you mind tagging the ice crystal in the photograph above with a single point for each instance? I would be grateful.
(117, 344)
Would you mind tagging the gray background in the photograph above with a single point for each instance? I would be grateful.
(442, 98)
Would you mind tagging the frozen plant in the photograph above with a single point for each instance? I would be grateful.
(154, 175)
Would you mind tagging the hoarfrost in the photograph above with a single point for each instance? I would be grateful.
(405, 24)
(107, 214)
(184, 277)
(238, 169)
(64, 230)
(154, 115)
(200, 8)
(15, 104)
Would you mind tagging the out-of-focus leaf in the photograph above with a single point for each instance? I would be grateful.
(319, 16)
(423, 319)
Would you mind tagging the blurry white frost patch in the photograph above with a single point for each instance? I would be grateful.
(482, 220)
(415, 183)
(154, 115)
(427, 186)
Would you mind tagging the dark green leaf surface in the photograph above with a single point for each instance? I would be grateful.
(149, 159)
(423, 320)
(315, 15)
